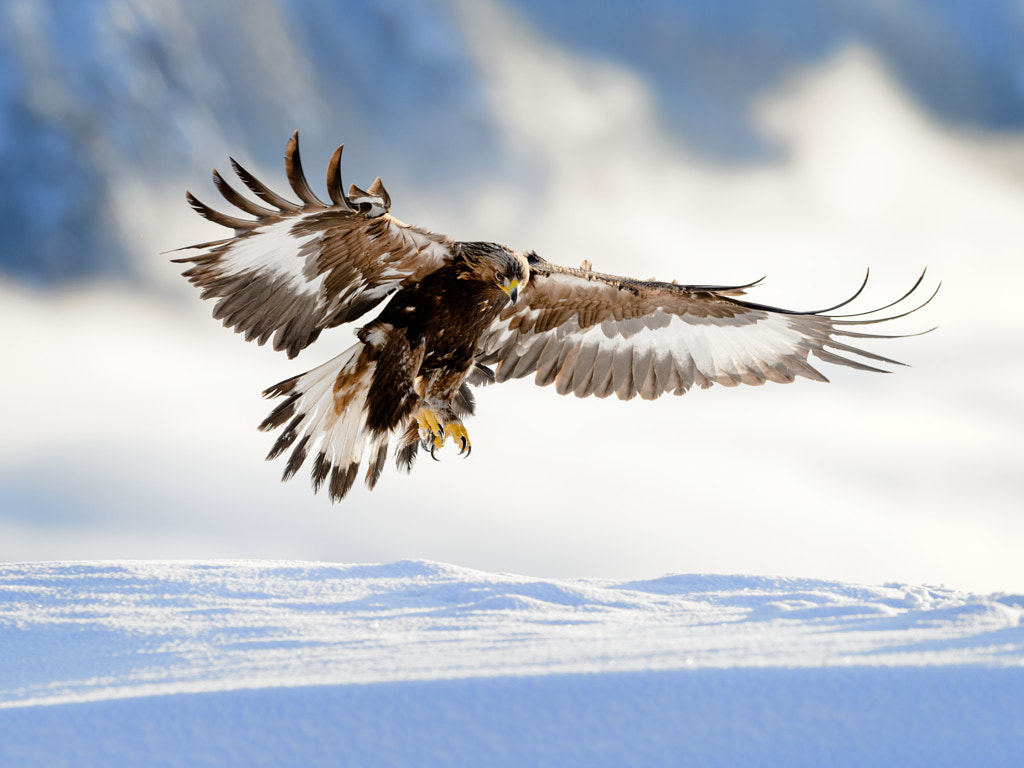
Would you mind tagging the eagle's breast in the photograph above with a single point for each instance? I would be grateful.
(447, 315)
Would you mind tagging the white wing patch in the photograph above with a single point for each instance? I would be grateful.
(275, 249)
(653, 355)
(595, 334)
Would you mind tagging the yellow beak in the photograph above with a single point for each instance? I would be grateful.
(512, 289)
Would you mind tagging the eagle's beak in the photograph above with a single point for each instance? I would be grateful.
(512, 289)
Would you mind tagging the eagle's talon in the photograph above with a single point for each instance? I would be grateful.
(429, 424)
(456, 430)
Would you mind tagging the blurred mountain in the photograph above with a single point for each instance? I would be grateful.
(706, 59)
(95, 93)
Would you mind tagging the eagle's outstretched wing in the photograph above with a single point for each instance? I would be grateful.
(298, 268)
(596, 334)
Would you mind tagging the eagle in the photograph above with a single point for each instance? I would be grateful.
(461, 314)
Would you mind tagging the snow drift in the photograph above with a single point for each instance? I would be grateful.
(297, 663)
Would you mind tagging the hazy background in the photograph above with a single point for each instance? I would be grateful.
(702, 141)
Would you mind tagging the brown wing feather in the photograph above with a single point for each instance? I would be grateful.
(297, 268)
(596, 334)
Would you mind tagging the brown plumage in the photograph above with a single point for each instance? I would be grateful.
(462, 313)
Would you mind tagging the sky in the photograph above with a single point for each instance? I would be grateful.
(129, 415)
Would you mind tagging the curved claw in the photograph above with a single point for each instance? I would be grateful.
(433, 449)
(456, 430)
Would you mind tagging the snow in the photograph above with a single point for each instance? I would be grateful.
(420, 663)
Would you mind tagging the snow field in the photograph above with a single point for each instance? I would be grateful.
(419, 663)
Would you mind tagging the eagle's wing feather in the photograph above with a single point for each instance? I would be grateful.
(298, 268)
(596, 334)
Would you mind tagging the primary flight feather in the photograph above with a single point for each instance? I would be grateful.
(461, 313)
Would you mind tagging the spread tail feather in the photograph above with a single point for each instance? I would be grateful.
(324, 416)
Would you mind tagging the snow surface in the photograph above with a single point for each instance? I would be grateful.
(420, 663)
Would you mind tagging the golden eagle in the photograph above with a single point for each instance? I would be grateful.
(461, 313)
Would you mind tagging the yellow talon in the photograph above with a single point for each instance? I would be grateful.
(456, 430)
(434, 436)
(430, 426)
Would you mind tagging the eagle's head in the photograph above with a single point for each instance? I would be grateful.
(495, 264)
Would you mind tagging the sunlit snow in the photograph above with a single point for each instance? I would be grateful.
(416, 663)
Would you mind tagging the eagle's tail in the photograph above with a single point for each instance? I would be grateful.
(325, 412)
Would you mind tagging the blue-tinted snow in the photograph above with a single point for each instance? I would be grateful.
(296, 663)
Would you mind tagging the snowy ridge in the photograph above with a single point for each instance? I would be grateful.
(166, 627)
(416, 662)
